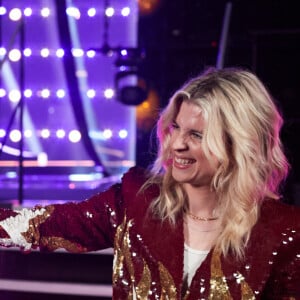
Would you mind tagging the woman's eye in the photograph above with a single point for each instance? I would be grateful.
(197, 135)
(174, 126)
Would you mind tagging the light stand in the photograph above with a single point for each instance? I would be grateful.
(21, 117)
(20, 106)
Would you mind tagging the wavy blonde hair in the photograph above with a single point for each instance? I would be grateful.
(242, 130)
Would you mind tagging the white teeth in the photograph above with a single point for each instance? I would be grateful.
(184, 161)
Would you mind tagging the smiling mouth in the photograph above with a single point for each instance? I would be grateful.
(184, 161)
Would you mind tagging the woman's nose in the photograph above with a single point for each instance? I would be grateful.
(180, 142)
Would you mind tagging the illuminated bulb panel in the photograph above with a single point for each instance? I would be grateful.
(73, 135)
(45, 93)
(49, 121)
(72, 11)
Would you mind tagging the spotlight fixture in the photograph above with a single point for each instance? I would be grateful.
(130, 86)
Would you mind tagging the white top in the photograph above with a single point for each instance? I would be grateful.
(192, 261)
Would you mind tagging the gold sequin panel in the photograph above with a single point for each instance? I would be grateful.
(124, 263)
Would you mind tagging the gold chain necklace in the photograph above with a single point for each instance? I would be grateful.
(195, 228)
(196, 218)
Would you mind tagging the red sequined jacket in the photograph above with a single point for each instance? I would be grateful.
(149, 254)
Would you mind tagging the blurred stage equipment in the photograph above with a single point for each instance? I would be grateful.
(147, 7)
(131, 87)
(224, 36)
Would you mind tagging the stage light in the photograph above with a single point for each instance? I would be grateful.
(124, 52)
(42, 159)
(109, 93)
(109, 11)
(15, 14)
(77, 52)
(125, 11)
(107, 133)
(28, 133)
(60, 133)
(45, 93)
(91, 93)
(2, 133)
(15, 135)
(123, 133)
(27, 12)
(60, 53)
(45, 52)
(91, 12)
(60, 93)
(147, 112)
(131, 88)
(74, 136)
(27, 52)
(2, 51)
(73, 12)
(53, 96)
(14, 55)
(2, 11)
(147, 7)
(2, 93)
(45, 133)
(45, 12)
(27, 93)
(90, 53)
(14, 96)
(11, 174)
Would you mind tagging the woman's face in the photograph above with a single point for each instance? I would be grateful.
(189, 164)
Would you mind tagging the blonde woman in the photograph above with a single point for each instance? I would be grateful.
(207, 221)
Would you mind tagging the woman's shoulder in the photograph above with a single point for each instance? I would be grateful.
(133, 183)
(136, 171)
(274, 248)
(276, 231)
(279, 209)
(136, 197)
(135, 177)
(280, 214)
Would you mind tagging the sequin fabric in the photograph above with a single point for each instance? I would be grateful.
(218, 286)
(53, 243)
(148, 261)
(218, 283)
(124, 269)
(23, 228)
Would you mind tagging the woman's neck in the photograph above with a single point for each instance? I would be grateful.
(202, 200)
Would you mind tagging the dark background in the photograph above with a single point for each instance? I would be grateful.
(181, 39)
